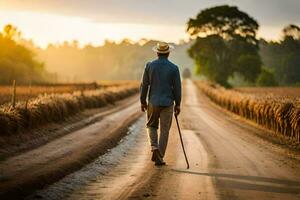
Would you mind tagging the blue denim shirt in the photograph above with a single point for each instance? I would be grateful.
(162, 78)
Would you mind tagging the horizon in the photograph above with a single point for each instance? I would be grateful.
(98, 21)
(90, 32)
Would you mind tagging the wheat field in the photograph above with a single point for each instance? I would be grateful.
(271, 91)
(24, 93)
(280, 112)
(56, 105)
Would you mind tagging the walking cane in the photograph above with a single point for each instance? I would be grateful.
(187, 162)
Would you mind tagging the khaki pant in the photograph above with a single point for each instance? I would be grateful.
(159, 116)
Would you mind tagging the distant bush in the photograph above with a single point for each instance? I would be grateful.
(266, 78)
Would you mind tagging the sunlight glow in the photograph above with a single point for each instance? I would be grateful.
(48, 28)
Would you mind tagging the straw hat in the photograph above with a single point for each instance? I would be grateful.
(162, 47)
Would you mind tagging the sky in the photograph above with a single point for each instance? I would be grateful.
(93, 21)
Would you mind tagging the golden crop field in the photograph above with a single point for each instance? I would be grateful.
(280, 113)
(24, 93)
(52, 107)
(271, 91)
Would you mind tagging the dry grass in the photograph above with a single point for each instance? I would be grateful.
(25, 93)
(55, 107)
(278, 113)
(271, 91)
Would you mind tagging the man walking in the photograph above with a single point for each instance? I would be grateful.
(161, 81)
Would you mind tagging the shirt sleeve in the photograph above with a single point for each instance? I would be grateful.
(144, 85)
(177, 87)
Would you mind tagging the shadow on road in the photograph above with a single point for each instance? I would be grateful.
(255, 183)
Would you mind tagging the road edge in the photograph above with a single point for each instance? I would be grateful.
(27, 187)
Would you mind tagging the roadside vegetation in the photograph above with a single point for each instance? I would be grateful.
(26, 92)
(278, 113)
(56, 107)
(289, 92)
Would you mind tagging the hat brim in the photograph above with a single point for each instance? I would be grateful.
(171, 48)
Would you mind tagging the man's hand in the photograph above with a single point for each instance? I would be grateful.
(177, 110)
(144, 107)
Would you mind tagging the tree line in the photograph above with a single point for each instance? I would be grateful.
(124, 60)
(226, 45)
(282, 58)
(224, 48)
(16, 61)
(20, 60)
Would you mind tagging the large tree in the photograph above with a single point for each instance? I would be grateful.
(225, 42)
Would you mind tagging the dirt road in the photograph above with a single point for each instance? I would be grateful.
(27, 171)
(228, 161)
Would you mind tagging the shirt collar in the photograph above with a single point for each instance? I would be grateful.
(163, 58)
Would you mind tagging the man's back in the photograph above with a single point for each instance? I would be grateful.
(163, 78)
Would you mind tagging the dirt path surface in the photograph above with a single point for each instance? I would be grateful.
(23, 173)
(228, 161)
(31, 139)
